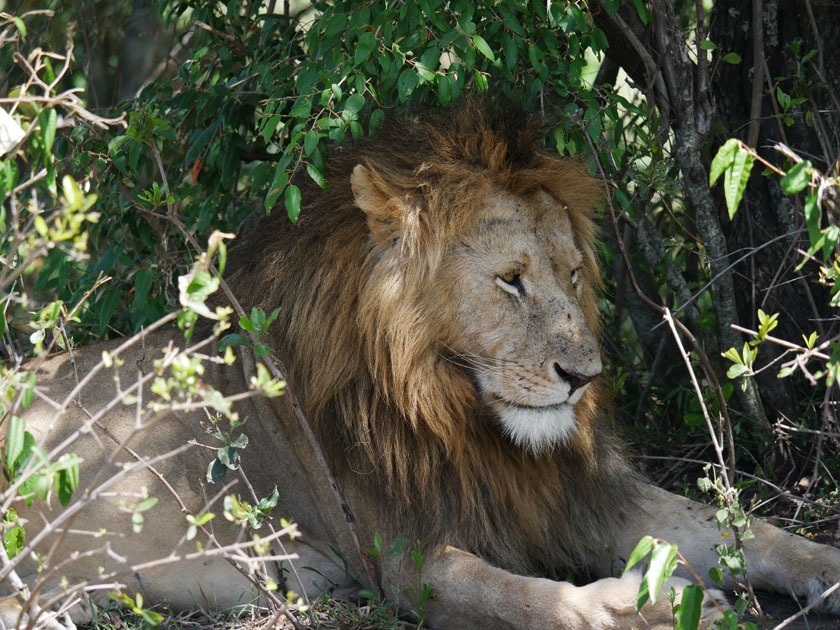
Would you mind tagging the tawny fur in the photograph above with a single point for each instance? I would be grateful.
(366, 344)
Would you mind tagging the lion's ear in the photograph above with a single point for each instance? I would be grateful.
(384, 207)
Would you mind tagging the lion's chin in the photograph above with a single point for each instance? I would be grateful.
(538, 429)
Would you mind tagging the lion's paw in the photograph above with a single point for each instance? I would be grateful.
(808, 572)
(81, 612)
(9, 613)
(825, 591)
(620, 595)
(714, 601)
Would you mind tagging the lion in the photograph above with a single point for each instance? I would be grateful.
(439, 323)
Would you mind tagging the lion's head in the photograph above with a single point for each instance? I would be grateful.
(505, 298)
(440, 327)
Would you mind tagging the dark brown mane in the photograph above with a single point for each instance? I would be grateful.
(396, 420)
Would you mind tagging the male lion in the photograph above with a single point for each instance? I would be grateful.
(440, 327)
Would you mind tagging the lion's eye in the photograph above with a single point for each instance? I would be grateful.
(511, 282)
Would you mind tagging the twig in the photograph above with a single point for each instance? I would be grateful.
(810, 352)
(787, 427)
(712, 433)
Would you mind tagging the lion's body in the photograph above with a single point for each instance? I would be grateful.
(439, 322)
(375, 373)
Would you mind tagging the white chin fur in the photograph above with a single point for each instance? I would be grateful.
(538, 430)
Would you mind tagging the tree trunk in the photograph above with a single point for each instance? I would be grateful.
(750, 108)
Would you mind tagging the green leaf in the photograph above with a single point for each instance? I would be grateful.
(15, 536)
(722, 160)
(731, 57)
(813, 218)
(281, 178)
(797, 178)
(21, 27)
(783, 98)
(364, 46)
(735, 180)
(640, 552)
(444, 83)
(352, 106)
(48, 119)
(72, 193)
(424, 72)
(642, 11)
(229, 457)
(663, 561)
(269, 128)
(107, 306)
(482, 47)
(14, 441)
(691, 603)
(50, 178)
(41, 226)
(301, 108)
(241, 441)
(142, 284)
(735, 562)
(234, 339)
(335, 25)
(67, 478)
(316, 175)
(377, 117)
(643, 595)
(611, 7)
(216, 471)
(406, 83)
(151, 617)
(269, 502)
(733, 355)
(716, 576)
(203, 137)
(201, 519)
(310, 142)
(736, 370)
(708, 44)
(247, 324)
(293, 202)
(147, 504)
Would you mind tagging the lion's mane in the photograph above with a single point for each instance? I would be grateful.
(365, 346)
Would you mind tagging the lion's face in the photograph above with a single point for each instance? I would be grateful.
(517, 282)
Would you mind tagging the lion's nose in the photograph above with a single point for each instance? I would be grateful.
(576, 380)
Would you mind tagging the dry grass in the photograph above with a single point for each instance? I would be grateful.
(330, 614)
